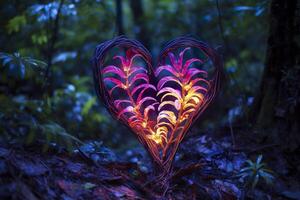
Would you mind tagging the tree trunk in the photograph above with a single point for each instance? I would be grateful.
(277, 100)
(119, 18)
(138, 17)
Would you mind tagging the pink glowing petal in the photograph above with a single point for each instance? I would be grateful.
(134, 120)
(170, 91)
(168, 68)
(196, 88)
(181, 54)
(113, 69)
(113, 80)
(118, 102)
(173, 61)
(136, 69)
(164, 103)
(145, 85)
(128, 109)
(192, 72)
(124, 61)
(119, 84)
(143, 100)
(131, 54)
(143, 90)
(115, 87)
(166, 79)
(139, 77)
(196, 80)
(133, 57)
(189, 62)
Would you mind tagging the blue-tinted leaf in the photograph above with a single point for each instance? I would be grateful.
(266, 176)
(255, 181)
(6, 60)
(22, 70)
(243, 8)
(259, 159)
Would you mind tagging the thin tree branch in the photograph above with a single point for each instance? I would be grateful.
(53, 40)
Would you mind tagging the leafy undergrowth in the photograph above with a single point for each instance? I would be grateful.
(204, 169)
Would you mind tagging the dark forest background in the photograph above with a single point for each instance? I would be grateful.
(46, 87)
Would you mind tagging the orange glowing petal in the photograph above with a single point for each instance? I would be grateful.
(144, 124)
(164, 103)
(147, 110)
(187, 112)
(177, 105)
(187, 87)
(156, 138)
(162, 129)
(171, 95)
(189, 105)
(171, 91)
(164, 124)
(169, 115)
(194, 96)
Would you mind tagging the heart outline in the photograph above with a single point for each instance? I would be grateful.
(162, 157)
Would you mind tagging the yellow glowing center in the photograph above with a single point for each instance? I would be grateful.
(144, 124)
(183, 117)
(135, 109)
(156, 138)
(126, 68)
(187, 87)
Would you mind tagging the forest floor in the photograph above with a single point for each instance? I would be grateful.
(205, 168)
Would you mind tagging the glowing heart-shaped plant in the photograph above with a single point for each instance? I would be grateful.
(158, 105)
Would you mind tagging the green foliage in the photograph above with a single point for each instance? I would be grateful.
(18, 65)
(16, 23)
(39, 39)
(88, 105)
(24, 121)
(254, 171)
